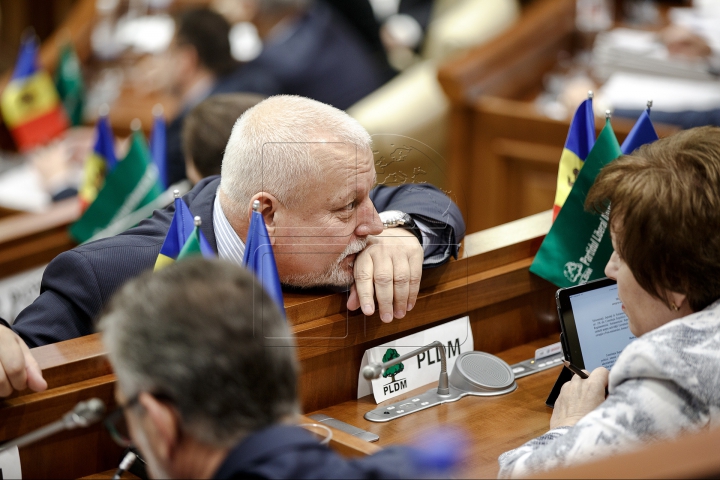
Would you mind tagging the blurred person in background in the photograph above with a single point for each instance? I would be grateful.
(200, 64)
(310, 49)
(207, 129)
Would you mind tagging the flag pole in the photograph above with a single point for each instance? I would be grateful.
(256, 205)
(176, 193)
(590, 94)
(198, 221)
(649, 105)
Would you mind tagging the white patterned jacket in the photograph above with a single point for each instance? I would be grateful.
(664, 383)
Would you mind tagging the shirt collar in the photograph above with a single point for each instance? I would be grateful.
(229, 245)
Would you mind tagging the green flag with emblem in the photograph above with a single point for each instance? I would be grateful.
(132, 184)
(578, 246)
(69, 84)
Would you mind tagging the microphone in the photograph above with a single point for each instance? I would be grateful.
(373, 370)
(84, 414)
(126, 463)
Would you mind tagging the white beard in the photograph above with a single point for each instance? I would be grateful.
(335, 275)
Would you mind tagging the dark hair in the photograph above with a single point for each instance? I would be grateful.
(208, 33)
(205, 334)
(207, 128)
(665, 212)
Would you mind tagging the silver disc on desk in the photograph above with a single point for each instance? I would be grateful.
(480, 373)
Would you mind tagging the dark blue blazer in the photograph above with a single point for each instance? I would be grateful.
(324, 58)
(283, 451)
(78, 283)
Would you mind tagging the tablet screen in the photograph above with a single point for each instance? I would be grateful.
(602, 326)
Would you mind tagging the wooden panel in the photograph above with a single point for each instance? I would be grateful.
(511, 158)
(29, 240)
(515, 61)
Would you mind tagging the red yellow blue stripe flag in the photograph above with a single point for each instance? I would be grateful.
(182, 230)
(579, 142)
(99, 163)
(260, 260)
(30, 104)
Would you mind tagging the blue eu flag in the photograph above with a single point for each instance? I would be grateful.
(642, 132)
(158, 147)
(259, 259)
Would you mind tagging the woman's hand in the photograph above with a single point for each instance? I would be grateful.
(579, 397)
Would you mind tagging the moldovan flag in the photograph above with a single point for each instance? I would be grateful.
(99, 163)
(577, 247)
(30, 104)
(642, 132)
(69, 84)
(130, 185)
(158, 147)
(580, 140)
(259, 258)
(181, 229)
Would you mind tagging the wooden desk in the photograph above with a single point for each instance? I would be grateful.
(492, 425)
(29, 240)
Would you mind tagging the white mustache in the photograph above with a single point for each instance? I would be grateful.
(357, 245)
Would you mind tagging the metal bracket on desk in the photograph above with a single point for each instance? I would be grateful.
(470, 373)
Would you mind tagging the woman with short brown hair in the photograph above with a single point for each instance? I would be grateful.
(665, 227)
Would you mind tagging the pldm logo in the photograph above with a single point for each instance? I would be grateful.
(394, 385)
(423, 359)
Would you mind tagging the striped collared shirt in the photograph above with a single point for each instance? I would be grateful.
(230, 246)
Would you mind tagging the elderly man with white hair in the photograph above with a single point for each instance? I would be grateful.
(311, 168)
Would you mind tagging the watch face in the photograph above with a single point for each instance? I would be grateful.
(391, 218)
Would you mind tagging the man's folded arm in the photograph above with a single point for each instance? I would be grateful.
(69, 300)
(437, 216)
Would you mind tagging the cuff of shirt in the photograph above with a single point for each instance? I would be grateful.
(438, 241)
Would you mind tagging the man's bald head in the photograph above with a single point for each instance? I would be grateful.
(282, 143)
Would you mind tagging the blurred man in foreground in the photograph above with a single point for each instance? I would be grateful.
(207, 381)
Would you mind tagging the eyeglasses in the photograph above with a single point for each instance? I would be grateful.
(116, 423)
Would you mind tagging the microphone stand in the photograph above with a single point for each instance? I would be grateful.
(84, 414)
(374, 370)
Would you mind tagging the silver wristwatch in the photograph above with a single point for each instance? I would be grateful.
(396, 218)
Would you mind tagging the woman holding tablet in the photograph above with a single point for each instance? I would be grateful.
(665, 228)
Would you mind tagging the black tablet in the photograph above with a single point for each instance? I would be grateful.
(594, 327)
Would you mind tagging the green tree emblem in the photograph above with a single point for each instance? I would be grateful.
(395, 369)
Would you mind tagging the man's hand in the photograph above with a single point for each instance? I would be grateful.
(18, 368)
(391, 266)
(579, 397)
